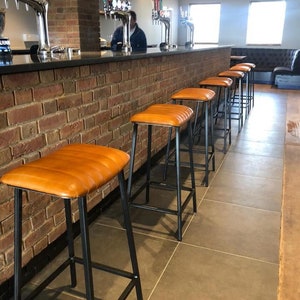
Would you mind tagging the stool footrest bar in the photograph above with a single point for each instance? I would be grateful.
(49, 279)
(159, 185)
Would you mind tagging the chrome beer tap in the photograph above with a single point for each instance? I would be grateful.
(190, 25)
(41, 9)
(120, 10)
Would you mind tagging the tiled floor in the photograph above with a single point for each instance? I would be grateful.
(230, 248)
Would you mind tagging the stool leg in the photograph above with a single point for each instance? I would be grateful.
(252, 84)
(197, 125)
(241, 116)
(225, 120)
(212, 137)
(132, 156)
(130, 239)
(86, 253)
(70, 242)
(247, 94)
(206, 144)
(190, 134)
(178, 183)
(167, 155)
(218, 104)
(229, 117)
(18, 243)
(148, 163)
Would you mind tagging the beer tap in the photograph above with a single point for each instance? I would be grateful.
(41, 9)
(120, 10)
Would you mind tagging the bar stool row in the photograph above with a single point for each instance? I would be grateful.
(74, 171)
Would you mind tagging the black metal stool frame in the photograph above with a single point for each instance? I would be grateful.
(207, 108)
(162, 185)
(72, 259)
(226, 113)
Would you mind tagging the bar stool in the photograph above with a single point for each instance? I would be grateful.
(71, 173)
(203, 97)
(221, 83)
(237, 77)
(251, 79)
(246, 98)
(172, 116)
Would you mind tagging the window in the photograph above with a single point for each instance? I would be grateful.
(265, 22)
(206, 19)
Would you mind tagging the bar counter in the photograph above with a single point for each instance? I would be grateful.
(18, 63)
(87, 98)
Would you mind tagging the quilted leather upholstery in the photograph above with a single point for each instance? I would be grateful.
(197, 94)
(70, 172)
(266, 59)
(164, 115)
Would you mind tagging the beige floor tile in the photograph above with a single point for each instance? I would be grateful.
(246, 190)
(258, 148)
(196, 273)
(253, 165)
(109, 246)
(236, 229)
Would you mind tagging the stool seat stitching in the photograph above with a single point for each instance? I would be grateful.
(240, 68)
(164, 115)
(217, 81)
(76, 153)
(232, 73)
(251, 65)
(198, 94)
(68, 174)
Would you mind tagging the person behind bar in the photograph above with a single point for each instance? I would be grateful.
(138, 39)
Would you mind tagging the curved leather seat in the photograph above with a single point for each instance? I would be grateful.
(241, 68)
(232, 74)
(164, 115)
(72, 172)
(217, 81)
(171, 116)
(205, 97)
(69, 172)
(198, 94)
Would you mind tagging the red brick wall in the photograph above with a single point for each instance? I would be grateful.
(74, 23)
(41, 111)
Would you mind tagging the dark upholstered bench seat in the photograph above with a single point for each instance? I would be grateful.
(284, 62)
(266, 59)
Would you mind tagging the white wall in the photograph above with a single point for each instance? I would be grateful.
(233, 23)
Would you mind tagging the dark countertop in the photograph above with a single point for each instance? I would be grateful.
(19, 63)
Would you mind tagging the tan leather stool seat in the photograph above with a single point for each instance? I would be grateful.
(197, 94)
(232, 73)
(238, 77)
(164, 115)
(70, 172)
(216, 81)
(251, 79)
(174, 117)
(248, 69)
(242, 68)
(205, 97)
(248, 64)
(221, 83)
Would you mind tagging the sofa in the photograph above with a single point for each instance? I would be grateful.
(283, 62)
(288, 73)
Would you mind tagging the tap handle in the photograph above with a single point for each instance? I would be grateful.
(17, 4)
